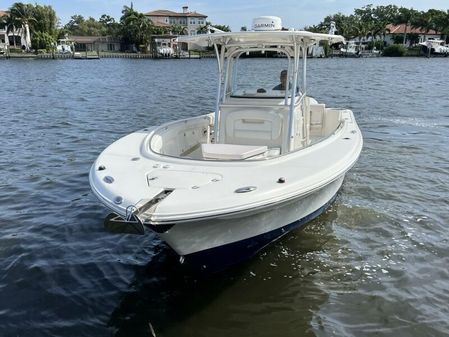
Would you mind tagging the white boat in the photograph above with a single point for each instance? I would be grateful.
(435, 46)
(65, 46)
(165, 47)
(219, 187)
(351, 49)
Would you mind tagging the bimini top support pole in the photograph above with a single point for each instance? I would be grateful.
(291, 119)
(220, 60)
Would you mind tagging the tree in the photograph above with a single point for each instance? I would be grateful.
(92, 27)
(345, 25)
(441, 23)
(224, 28)
(375, 19)
(179, 30)
(136, 28)
(106, 20)
(110, 26)
(243, 29)
(43, 40)
(22, 14)
(106, 25)
(406, 16)
(384, 15)
(74, 23)
(205, 28)
(45, 21)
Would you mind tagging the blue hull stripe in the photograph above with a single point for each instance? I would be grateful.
(219, 258)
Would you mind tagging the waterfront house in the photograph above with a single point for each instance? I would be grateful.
(192, 21)
(399, 30)
(4, 40)
(3, 35)
(14, 39)
(96, 43)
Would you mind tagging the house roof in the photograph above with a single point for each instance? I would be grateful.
(400, 29)
(164, 12)
(3, 13)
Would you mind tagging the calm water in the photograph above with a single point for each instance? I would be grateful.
(376, 263)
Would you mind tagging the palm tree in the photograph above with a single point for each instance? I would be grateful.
(22, 14)
(441, 23)
(179, 30)
(136, 27)
(385, 15)
(11, 25)
(406, 16)
(204, 29)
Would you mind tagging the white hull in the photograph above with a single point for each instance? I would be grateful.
(203, 211)
(196, 236)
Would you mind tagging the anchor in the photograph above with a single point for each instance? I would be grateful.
(133, 223)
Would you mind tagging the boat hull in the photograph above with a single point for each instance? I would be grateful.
(220, 242)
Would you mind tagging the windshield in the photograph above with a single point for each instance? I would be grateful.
(265, 76)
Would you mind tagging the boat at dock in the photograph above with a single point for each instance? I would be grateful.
(65, 46)
(165, 47)
(219, 187)
(435, 47)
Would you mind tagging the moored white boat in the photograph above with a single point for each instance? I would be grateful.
(65, 46)
(435, 47)
(164, 47)
(219, 187)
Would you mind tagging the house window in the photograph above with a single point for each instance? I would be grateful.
(201, 22)
(111, 47)
(192, 21)
(80, 46)
(15, 40)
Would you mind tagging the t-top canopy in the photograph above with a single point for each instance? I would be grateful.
(261, 38)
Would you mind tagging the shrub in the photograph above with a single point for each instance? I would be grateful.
(41, 40)
(13, 50)
(379, 44)
(398, 38)
(394, 50)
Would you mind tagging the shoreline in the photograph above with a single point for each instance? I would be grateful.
(99, 55)
(193, 55)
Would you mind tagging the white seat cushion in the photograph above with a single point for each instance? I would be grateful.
(231, 151)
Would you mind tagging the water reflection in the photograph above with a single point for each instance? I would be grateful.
(273, 294)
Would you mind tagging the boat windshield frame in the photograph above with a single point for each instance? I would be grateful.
(294, 44)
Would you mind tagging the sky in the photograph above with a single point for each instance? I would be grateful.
(294, 13)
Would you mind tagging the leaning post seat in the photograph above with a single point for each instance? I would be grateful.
(253, 125)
